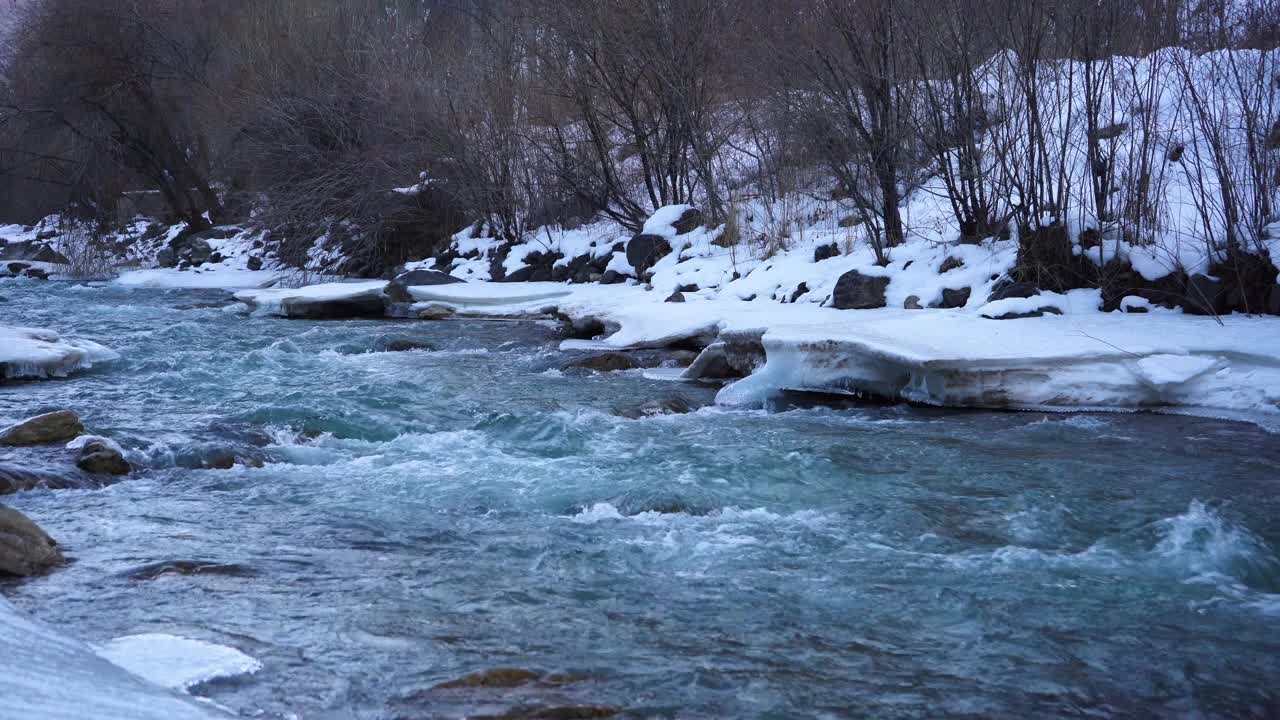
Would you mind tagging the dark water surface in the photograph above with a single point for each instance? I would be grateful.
(421, 515)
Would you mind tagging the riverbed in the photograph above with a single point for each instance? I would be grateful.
(408, 502)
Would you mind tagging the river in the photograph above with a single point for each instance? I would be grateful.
(423, 514)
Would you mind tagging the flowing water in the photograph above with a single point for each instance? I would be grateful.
(421, 515)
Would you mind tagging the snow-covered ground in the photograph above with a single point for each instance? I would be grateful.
(39, 353)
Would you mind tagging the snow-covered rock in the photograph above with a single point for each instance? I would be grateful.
(326, 301)
(39, 353)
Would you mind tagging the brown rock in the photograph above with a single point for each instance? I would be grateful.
(25, 549)
(494, 678)
(47, 428)
(604, 362)
(99, 457)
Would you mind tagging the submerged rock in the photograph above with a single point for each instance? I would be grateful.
(47, 428)
(18, 479)
(604, 362)
(675, 405)
(151, 571)
(402, 345)
(25, 549)
(503, 677)
(435, 311)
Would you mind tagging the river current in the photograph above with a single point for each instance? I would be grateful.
(393, 520)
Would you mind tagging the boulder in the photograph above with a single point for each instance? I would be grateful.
(611, 277)
(398, 291)
(435, 311)
(855, 291)
(166, 258)
(604, 362)
(645, 250)
(691, 219)
(800, 291)
(366, 305)
(32, 251)
(955, 298)
(401, 344)
(254, 262)
(822, 252)
(37, 273)
(495, 678)
(1203, 295)
(675, 297)
(675, 405)
(25, 549)
(47, 428)
(102, 457)
(1013, 290)
(951, 263)
(912, 303)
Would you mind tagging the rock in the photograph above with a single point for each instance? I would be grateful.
(47, 428)
(216, 258)
(151, 571)
(166, 258)
(955, 298)
(435, 311)
(1038, 312)
(912, 303)
(398, 291)
(402, 345)
(1203, 295)
(1109, 132)
(675, 297)
(822, 252)
(951, 263)
(495, 678)
(604, 362)
(855, 291)
(369, 305)
(254, 262)
(1013, 290)
(611, 277)
(37, 273)
(196, 251)
(554, 712)
(675, 405)
(690, 220)
(17, 268)
(25, 549)
(19, 479)
(102, 457)
(645, 250)
(1273, 301)
(800, 290)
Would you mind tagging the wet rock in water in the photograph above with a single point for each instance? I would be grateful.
(675, 405)
(604, 362)
(402, 345)
(494, 678)
(25, 549)
(47, 428)
(855, 291)
(100, 456)
(18, 479)
(151, 571)
(554, 712)
(435, 311)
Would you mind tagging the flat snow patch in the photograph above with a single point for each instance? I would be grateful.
(176, 662)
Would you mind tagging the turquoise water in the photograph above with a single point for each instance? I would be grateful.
(421, 515)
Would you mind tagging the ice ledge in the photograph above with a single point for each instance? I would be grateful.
(39, 353)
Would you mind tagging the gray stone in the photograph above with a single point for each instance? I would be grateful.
(912, 303)
(855, 291)
(435, 311)
(254, 262)
(48, 428)
(1038, 312)
(367, 305)
(822, 252)
(397, 290)
(645, 250)
(951, 263)
(675, 297)
(956, 298)
(1013, 290)
(604, 362)
(25, 549)
(690, 220)
(166, 258)
(14, 478)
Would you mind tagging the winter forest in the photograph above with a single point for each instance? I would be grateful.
(639, 358)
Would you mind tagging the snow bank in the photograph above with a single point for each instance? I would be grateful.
(212, 278)
(1084, 359)
(46, 675)
(176, 662)
(38, 353)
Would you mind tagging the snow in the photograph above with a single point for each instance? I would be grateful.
(45, 674)
(1084, 359)
(273, 300)
(662, 221)
(40, 353)
(176, 662)
(213, 278)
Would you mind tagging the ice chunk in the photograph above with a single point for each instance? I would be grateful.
(38, 353)
(176, 662)
(1162, 371)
